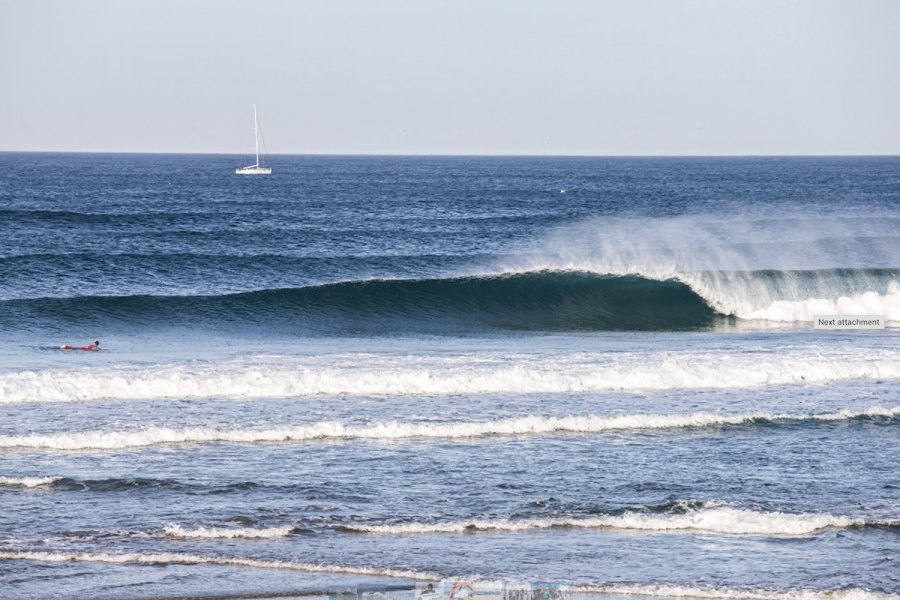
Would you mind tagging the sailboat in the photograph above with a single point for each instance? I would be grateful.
(254, 169)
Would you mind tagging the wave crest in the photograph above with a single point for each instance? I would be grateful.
(726, 593)
(393, 430)
(375, 374)
(171, 558)
(28, 482)
(177, 531)
(722, 520)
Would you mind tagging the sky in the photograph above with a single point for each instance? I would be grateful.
(474, 77)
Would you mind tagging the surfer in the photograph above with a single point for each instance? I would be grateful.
(94, 346)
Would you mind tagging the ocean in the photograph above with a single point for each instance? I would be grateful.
(360, 375)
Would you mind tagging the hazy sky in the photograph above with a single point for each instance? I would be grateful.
(591, 77)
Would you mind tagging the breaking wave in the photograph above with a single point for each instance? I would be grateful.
(28, 482)
(653, 590)
(171, 558)
(722, 520)
(544, 300)
(177, 531)
(725, 593)
(393, 430)
(485, 373)
(785, 269)
(798, 297)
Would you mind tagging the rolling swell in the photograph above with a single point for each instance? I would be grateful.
(543, 300)
(396, 431)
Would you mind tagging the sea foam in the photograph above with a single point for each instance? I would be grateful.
(394, 430)
(484, 373)
(177, 531)
(653, 590)
(724, 520)
(195, 559)
(728, 593)
(27, 482)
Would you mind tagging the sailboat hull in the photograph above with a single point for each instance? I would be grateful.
(253, 171)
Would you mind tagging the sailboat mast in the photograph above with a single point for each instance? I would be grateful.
(256, 134)
(254, 169)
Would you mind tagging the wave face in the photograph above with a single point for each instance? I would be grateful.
(556, 301)
(118, 484)
(529, 301)
(392, 430)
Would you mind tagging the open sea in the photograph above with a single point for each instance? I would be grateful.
(367, 373)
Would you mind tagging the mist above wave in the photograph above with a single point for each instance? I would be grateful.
(784, 268)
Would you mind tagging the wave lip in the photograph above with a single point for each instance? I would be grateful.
(195, 559)
(177, 531)
(393, 430)
(720, 520)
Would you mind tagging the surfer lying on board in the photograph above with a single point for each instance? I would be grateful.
(94, 346)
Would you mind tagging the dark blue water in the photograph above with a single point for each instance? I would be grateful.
(592, 371)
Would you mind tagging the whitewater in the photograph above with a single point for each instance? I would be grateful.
(392, 430)
(278, 376)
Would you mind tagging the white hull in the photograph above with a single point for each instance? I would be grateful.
(253, 171)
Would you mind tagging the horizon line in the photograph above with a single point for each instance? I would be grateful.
(451, 155)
